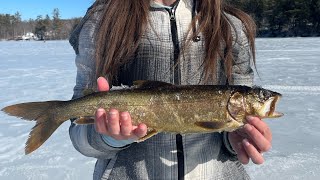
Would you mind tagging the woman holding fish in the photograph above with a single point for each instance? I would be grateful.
(181, 42)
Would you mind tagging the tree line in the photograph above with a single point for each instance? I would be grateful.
(43, 27)
(283, 18)
(274, 18)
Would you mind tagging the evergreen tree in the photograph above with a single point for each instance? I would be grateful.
(47, 24)
(314, 7)
(40, 29)
(56, 24)
(16, 24)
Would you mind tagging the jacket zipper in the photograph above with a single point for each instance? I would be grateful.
(176, 50)
(180, 156)
(175, 40)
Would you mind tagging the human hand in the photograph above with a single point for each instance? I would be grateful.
(251, 141)
(116, 124)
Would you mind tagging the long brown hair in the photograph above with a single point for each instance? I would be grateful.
(124, 21)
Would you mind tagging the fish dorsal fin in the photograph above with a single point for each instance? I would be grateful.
(145, 84)
(236, 106)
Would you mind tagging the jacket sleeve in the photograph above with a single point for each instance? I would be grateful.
(85, 139)
(242, 72)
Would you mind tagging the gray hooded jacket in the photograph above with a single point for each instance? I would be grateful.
(164, 156)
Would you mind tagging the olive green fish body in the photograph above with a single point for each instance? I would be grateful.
(176, 109)
(162, 107)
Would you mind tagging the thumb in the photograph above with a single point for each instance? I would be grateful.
(102, 84)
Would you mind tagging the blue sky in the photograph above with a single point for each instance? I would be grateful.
(33, 8)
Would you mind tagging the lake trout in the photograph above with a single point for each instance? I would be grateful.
(161, 106)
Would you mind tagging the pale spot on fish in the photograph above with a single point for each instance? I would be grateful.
(142, 114)
(177, 97)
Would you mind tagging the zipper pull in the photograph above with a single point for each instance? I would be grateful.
(172, 14)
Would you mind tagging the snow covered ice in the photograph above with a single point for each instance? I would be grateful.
(38, 71)
(291, 66)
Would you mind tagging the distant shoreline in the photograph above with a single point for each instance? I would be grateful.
(258, 37)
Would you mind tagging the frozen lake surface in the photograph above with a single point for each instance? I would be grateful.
(37, 71)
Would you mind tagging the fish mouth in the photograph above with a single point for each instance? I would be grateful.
(269, 108)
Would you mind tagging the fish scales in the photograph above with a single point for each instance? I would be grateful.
(174, 109)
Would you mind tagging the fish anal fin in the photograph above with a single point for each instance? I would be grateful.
(84, 120)
(144, 84)
(210, 125)
(150, 133)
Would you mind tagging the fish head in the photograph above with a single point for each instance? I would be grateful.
(254, 101)
(262, 103)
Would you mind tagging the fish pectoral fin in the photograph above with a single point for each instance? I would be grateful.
(150, 133)
(210, 125)
(84, 120)
(144, 84)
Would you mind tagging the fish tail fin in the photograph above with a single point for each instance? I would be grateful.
(46, 115)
